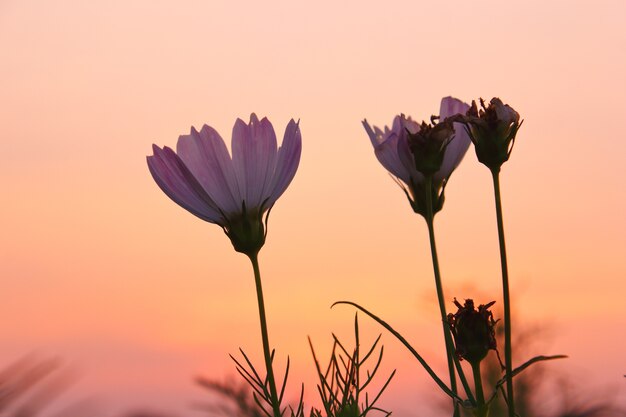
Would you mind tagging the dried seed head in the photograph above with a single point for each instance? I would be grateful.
(473, 330)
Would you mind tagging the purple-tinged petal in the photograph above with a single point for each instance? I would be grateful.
(397, 125)
(411, 125)
(254, 158)
(401, 124)
(206, 156)
(376, 136)
(451, 106)
(387, 155)
(179, 184)
(460, 142)
(287, 161)
(505, 113)
(391, 147)
(408, 161)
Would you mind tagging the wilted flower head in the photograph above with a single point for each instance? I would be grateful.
(473, 330)
(492, 129)
(392, 149)
(429, 144)
(234, 193)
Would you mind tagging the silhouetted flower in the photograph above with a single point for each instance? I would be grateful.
(428, 145)
(236, 192)
(492, 129)
(473, 330)
(392, 149)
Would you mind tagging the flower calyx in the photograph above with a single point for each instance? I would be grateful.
(492, 129)
(418, 200)
(247, 230)
(473, 330)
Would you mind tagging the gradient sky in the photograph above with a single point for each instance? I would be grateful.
(100, 268)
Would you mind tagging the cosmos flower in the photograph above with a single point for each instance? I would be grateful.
(393, 151)
(235, 193)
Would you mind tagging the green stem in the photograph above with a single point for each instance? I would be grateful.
(508, 357)
(266, 344)
(481, 408)
(438, 285)
(463, 378)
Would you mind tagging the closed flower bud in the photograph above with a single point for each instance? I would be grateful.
(473, 331)
(492, 129)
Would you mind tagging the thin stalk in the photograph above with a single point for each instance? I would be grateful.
(463, 378)
(481, 408)
(266, 344)
(438, 285)
(508, 357)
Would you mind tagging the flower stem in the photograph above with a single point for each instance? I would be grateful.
(254, 258)
(438, 285)
(481, 407)
(508, 357)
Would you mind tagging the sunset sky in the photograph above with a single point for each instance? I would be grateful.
(137, 296)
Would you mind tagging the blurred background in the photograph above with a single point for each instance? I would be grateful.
(136, 297)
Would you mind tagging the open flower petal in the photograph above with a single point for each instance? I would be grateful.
(459, 144)
(387, 155)
(451, 106)
(254, 158)
(206, 156)
(386, 150)
(179, 184)
(407, 160)
(287, 161)
(376, 135)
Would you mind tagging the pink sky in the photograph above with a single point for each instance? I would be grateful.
(98, 267)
